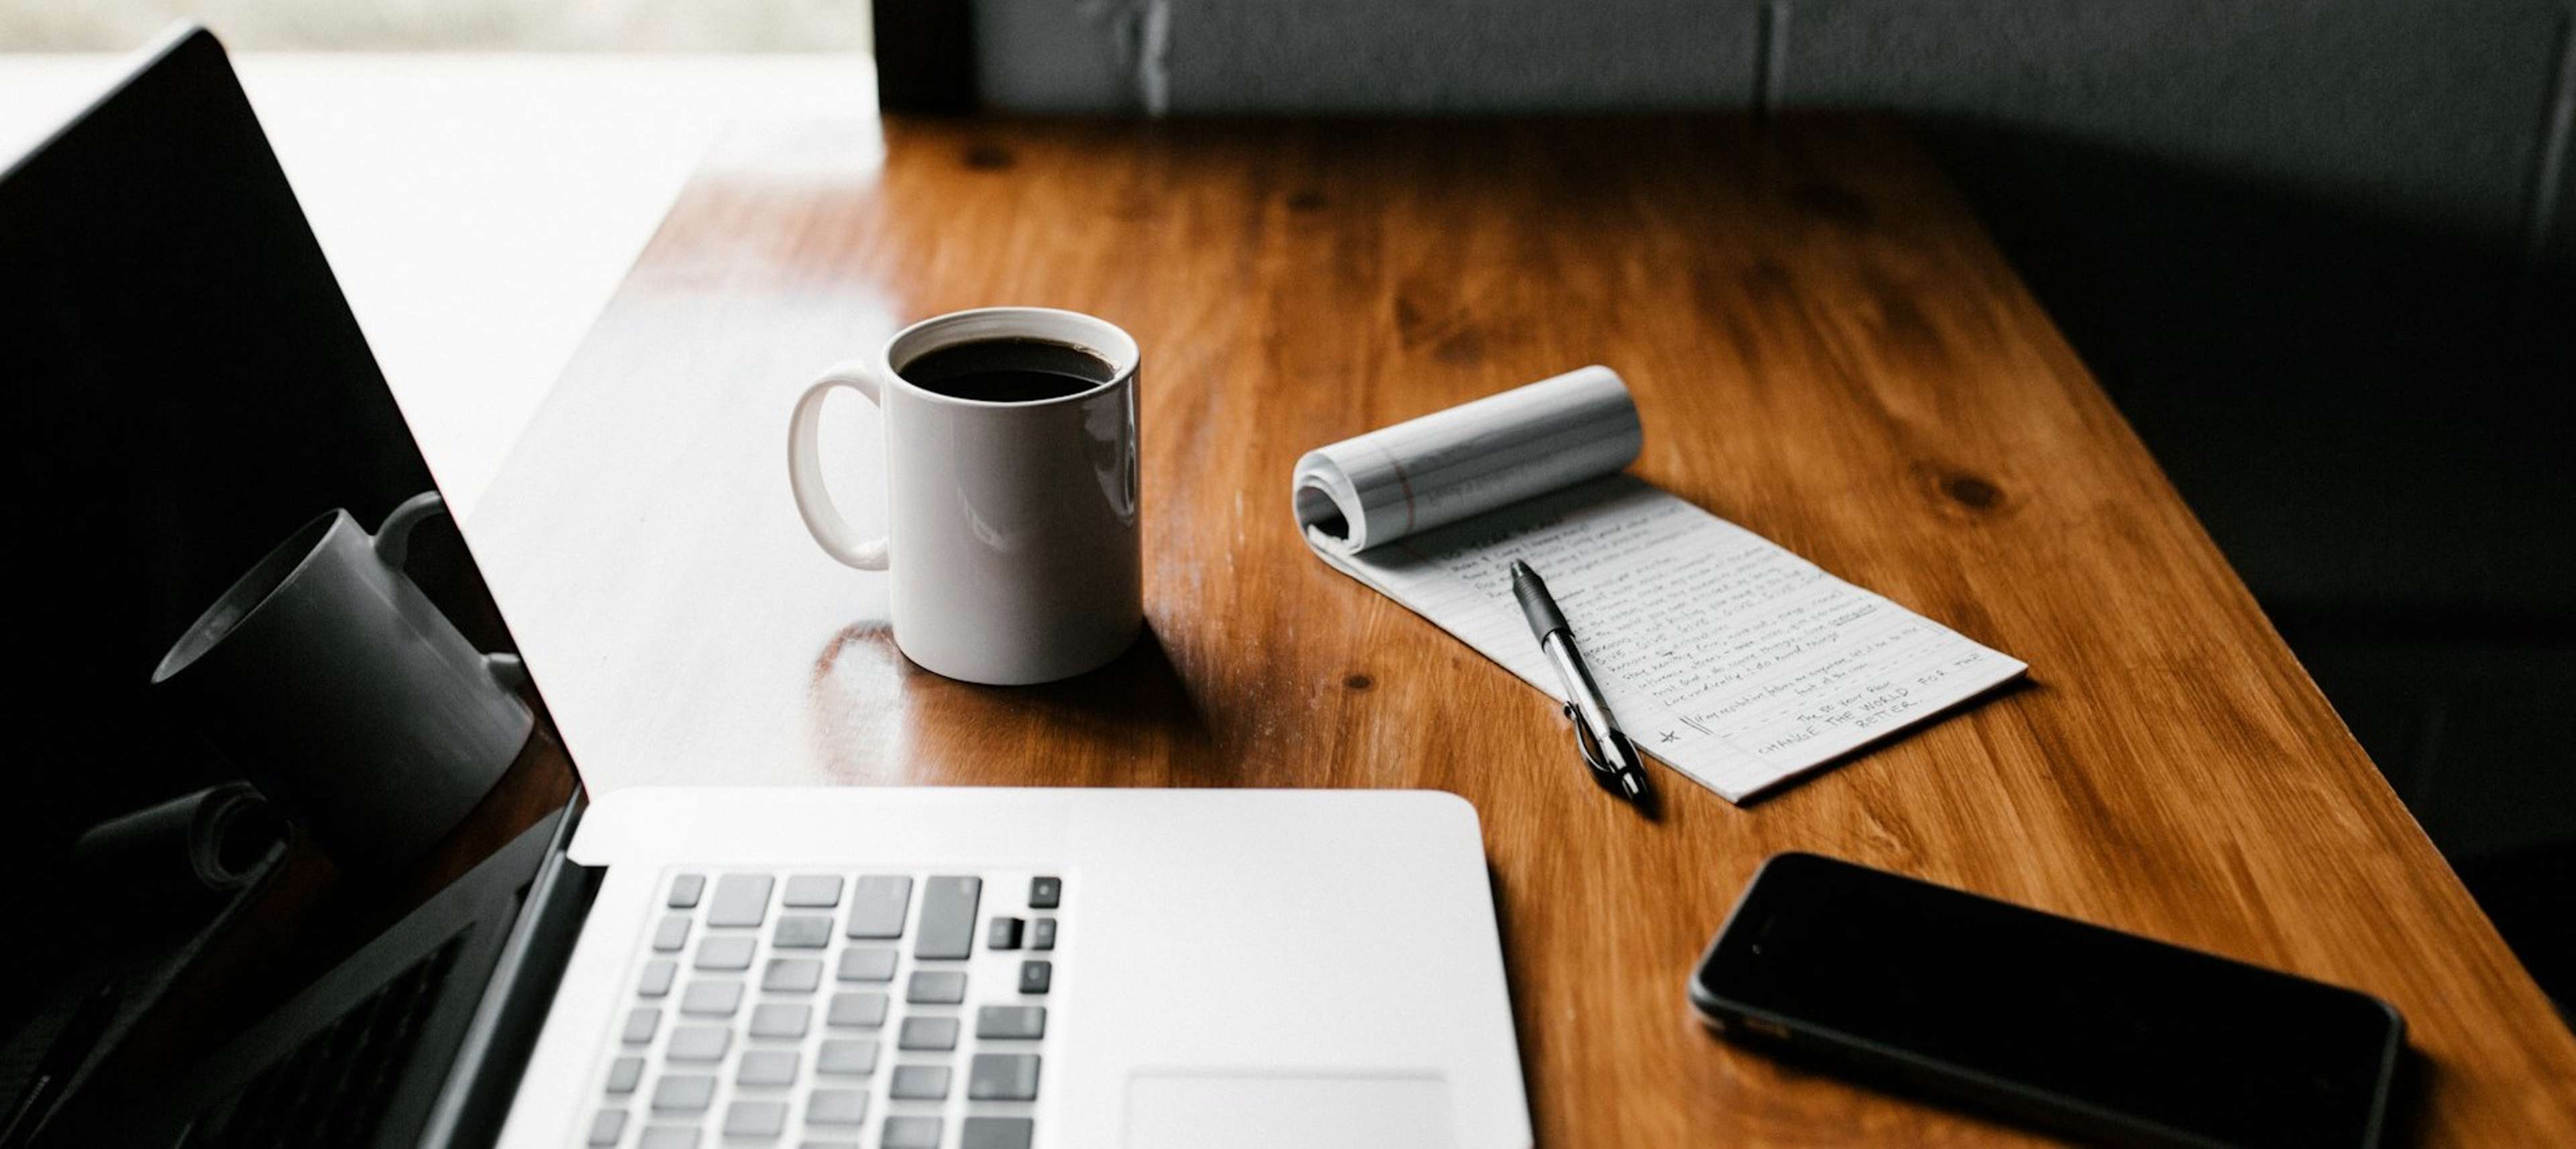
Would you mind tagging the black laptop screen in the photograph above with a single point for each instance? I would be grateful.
(196, 428)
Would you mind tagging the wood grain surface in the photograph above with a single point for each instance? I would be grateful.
(1825, 347)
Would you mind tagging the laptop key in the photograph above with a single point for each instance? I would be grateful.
(683, 1093)
(928, 1033)
(711, 998)
(936, 987)
(641, 1022)
(673, 933)
(1011, 1022)
(1002, 1077)
(811, 891)
(684, 891)
(726, 953)
(997, 1133)
(836, 1107)
(781, 1019)
(919, 1083)
(791, 975)
(766, 1067)
(802, 932)
(911, 1133)
(1042, 934)
(1036, 976)
(1044, 893)
(624, 1073)
(698, 1043)
(877, 906)
(866, 1010)
(947, 917)
(1002, 934)
(867, 963)
(847, 1056)
(606, 1126)
(657, 978)
(668, 1137)
(755, 1118)
(740, 900)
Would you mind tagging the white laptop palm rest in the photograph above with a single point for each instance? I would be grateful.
(1030, 969)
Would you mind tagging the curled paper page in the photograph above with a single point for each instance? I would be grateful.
(211, 840)
(1450, 465)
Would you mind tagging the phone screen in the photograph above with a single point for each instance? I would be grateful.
(2200, 1045)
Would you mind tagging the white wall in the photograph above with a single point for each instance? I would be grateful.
(406, 25)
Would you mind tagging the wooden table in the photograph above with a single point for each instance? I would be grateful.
(1826, 349)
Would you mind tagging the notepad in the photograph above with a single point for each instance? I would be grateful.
(1725, 656)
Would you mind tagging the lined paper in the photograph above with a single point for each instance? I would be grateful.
(1724, 655)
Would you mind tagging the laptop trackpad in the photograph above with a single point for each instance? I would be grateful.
(1286, 1111)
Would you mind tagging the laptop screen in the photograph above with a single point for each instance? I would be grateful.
(239, 602)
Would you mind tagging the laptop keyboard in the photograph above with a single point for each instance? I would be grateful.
(333, 1088)
(834, 1010)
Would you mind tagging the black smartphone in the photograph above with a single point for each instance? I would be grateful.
(2106, 1035)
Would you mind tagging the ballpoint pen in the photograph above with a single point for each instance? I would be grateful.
(1596, 732)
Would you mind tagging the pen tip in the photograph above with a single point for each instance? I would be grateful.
(1521, 569)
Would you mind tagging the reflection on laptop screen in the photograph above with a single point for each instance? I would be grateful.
(229, 563)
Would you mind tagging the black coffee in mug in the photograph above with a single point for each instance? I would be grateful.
(1007, 370)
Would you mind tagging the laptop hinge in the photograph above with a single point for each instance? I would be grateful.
(485, 1076)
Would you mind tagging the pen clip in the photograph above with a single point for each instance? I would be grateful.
(1588, 742)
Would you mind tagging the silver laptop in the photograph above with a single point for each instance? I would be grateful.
(881, 968)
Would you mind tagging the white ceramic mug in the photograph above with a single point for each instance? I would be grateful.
(1012, 527)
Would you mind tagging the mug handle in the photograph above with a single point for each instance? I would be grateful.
(392, 543)
(805, 468)
(393, 539)
(507, 670)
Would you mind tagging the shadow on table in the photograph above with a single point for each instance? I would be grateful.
(1523, 998)
(2349, 401)
(1138, 705)
(1138, 694)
